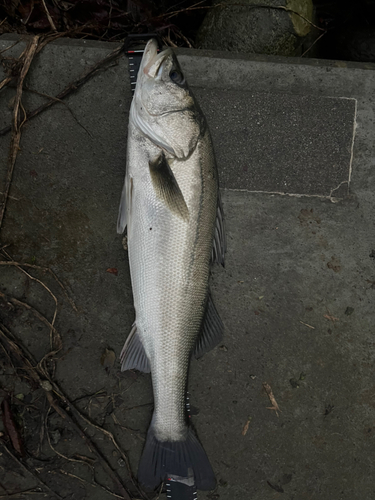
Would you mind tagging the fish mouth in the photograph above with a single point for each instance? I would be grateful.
(153, 61)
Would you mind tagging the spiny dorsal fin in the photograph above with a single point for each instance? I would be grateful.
(166, 186)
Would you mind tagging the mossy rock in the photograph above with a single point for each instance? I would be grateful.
(270, 29)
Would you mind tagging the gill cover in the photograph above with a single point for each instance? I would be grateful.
(163, 107)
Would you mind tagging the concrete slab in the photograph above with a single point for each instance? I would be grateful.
(292, 144)
(296, 295)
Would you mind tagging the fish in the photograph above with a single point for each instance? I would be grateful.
(171, 208)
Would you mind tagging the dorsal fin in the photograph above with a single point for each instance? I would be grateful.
(220, 243)
(211, 332)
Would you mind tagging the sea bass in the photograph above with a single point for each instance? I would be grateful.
(171, 207)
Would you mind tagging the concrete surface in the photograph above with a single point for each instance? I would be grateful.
(296, 295)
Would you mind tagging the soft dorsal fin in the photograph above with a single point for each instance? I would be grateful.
(211, 332)
(220, 243)
(166, 186)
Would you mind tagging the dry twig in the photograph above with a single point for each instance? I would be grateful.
(10, 46)
(62, 102)
(72, 87)
(94, 483)
(5, 82)
(46, 288)
(28, 55)
(12, 300)
(50, 20)
(22, 493)
(330, 317)
(50, 388)
(28, 470)
(314, 42)
(45, 269)
(306, 324)
(246, 426)
(112, 438)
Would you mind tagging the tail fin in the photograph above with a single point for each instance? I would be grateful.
(163, 458)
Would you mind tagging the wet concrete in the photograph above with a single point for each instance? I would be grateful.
(296, 295)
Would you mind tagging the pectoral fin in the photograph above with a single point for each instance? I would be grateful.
(166, 186)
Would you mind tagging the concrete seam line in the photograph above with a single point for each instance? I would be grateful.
(293, 195)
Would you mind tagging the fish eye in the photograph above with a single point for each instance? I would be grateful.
(177, 77)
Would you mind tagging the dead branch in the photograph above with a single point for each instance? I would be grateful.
(62, 102)
(5, 82)
(94, 483)
(78, 414)
(45, 269)
(16, 126)
(22, 493)
(50, 388)
(46, 288)
(30, 471)
(72, 87)
(12, 300)
(10, 46)
(50, 20)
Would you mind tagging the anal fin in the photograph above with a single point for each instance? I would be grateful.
(211, 332)
(133, 355)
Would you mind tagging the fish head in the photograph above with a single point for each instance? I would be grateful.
(163, 107)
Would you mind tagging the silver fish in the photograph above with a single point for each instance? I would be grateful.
(170, 205)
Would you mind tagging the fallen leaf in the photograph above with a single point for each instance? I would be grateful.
(108, 358)
(112, 270)
(269, 392)
(330, 318)
(246, 426)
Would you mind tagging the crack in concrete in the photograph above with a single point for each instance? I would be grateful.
(331, 198)
(352, 145)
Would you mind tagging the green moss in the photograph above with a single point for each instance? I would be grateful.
(305, 9)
